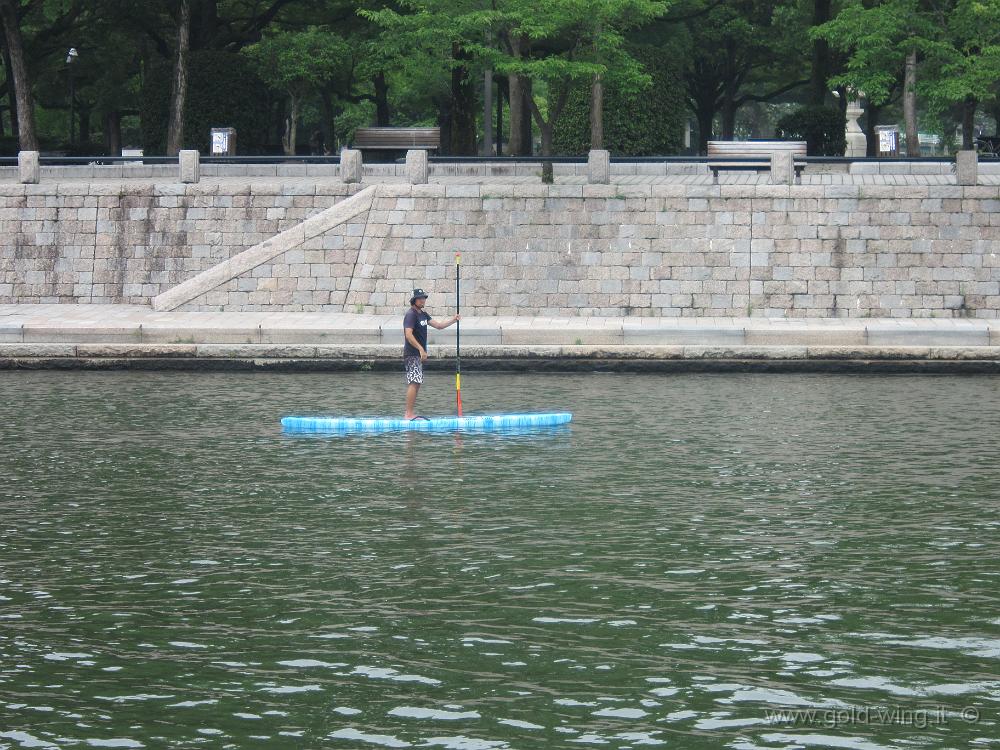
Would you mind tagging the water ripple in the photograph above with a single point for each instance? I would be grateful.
(695, 554)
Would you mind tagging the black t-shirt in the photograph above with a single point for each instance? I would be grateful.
(417, 320)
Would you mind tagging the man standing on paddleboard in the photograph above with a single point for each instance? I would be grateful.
(415, 345)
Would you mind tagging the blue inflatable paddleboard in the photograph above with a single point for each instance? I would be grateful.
(482, 423)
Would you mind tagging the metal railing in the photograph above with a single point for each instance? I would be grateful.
(97, 160)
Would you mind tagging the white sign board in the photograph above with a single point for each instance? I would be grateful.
(887, 141)
(220, 142)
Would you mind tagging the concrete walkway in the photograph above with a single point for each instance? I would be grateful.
(124, 335)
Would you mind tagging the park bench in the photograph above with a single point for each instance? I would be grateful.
(395, 139)
(750, 155)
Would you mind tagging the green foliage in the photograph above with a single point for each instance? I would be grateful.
(643, 122)
(735, 53)
(552, 45)
(298, 62)
(822, 128)
(964, 62)
(877, 40)
(221, 93)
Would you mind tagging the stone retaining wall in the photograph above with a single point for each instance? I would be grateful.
(644, 250)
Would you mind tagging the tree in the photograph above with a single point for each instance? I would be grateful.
(603, 27)
(738, 52)
(541, 49)
(820, 70)
(25, 107)
(430, 37)
(298, 64)
(963, 66)
(550, 48)
(178, 87)
(644, 122)
(883, 43)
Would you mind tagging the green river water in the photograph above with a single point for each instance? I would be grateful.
(697, 561)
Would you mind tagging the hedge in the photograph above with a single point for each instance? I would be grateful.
(649, 123)
(223, 92)
(823, 129)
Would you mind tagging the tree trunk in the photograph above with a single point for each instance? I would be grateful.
(515, 140)
(487, 149)
(178, 90)
(11, 89)
(706, 117)
(291, 127)
(527, 142)
(463, 106)
(597, 113)
(381, 100)
(113, 133)
(820, 55)
(969, 122)
(547, 127)
(500, 93)
(871, 122)
(84, 120)
(546, 131)
(910, 104)
(26, 136)
(328, 124)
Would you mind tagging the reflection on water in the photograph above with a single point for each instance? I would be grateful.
(694, 555)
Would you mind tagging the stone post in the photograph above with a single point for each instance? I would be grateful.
(966, 167)
(350, 165)
(782, 168)
(28, 167)
(416, 166)
(599, 166)
(857, 141)
(190, 166)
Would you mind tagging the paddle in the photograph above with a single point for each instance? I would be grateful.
(458, 333)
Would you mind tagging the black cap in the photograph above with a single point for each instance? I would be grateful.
(418, 294)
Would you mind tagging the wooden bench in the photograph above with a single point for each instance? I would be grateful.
(751, 155)
(395, 139)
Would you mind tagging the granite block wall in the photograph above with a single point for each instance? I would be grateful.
(527, 249)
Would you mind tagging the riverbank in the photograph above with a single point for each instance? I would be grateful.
(136, 337)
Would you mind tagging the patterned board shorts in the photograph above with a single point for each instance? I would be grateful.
(414, 369)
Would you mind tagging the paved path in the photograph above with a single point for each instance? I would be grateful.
(136, 324)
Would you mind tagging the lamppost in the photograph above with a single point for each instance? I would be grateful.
(71, 57)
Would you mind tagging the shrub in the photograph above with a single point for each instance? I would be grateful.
(647, 123)
(823, 129)
(222, 93)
